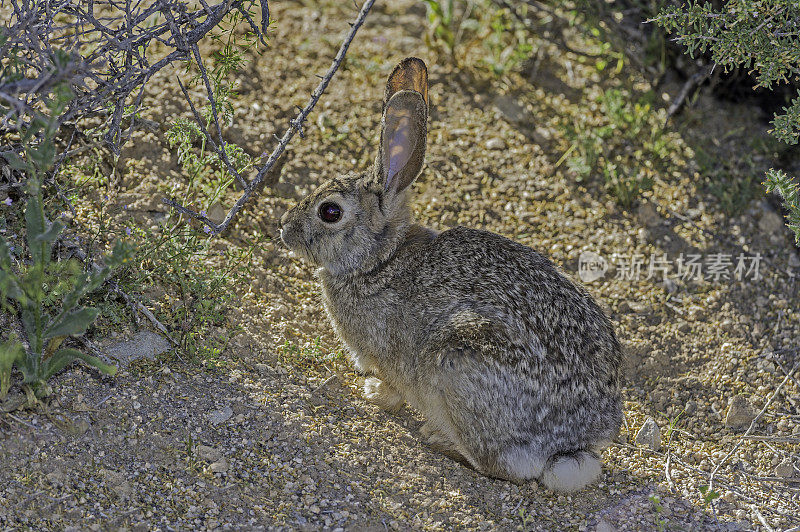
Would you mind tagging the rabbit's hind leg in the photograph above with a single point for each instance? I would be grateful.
(379, 393)
(439, 432)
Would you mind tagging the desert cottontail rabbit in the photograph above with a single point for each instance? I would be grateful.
(515, 368)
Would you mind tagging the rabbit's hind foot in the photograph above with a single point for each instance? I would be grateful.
(443, 445)
(381, 394)
(563, 472)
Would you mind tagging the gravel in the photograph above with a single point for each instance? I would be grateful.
(300, 449)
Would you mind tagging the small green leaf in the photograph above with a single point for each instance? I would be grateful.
(63, 357)
(35, 226)
(29, 322)
(9, 286)
(11, 352)
(72, 323)
(5, 255)
(52, 232)
(15, 161)
(84, 284)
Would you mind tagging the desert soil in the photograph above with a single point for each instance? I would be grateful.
(277, 434)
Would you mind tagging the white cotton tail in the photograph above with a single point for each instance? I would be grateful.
(571, 472)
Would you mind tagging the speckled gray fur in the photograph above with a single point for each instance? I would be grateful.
(515, 367)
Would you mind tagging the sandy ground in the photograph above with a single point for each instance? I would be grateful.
(277, 435)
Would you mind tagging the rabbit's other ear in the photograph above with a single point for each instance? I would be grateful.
(403, 133)
(410, 74)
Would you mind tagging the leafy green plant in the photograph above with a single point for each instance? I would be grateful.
(457, 28)
(659, 509)
(708, 495)
(614, 144)
(45, 293)
(308, 354)
(760, 36)
(732, 185)
(177, 260)
(778, 181)
(506, 43)
(205, 168)
(525, 517)
(442, 31)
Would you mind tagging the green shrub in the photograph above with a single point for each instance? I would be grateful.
(45, 294)
(614, 143)
(760, 36)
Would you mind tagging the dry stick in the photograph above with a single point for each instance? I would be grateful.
(666, 470)
(726, 483)
(776, 439)
(123, 50)
(146, 311)
(783, 369)
(714, 236)
(132, 302)
(197, 118)
(784, 480)
(749, 430)
(686, 466)
(761, 518)
(294, 126)
(15, 418)
(696, 79)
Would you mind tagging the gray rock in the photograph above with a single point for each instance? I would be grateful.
(794, 260)
(220, 416)
(785, 469)
(286, 190)
(670, 286)
(740, 413)
(209, 453)
(78, 427)
(649, 435)
(495, 144)
(604, 526)
(216, 213)
(648, 215)
(143, 344)
(511, 109)
(220, 466)
(771, 223)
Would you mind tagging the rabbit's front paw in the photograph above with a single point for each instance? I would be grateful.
(378, 392)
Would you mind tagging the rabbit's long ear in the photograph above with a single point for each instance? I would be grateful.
(404, 125)
(410, 74)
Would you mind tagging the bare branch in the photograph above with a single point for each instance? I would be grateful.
(294, 126)
(102, 59)
(749, 429)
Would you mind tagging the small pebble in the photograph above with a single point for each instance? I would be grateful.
(740, 413)
(495, 144)
(649, 435)
(220, 466)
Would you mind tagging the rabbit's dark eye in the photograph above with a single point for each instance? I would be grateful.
(330, 212)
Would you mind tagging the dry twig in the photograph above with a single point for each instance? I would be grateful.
(749, 429)
(295, 126)
(102, 50)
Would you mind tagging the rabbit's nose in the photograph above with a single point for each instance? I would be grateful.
(283, 220)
